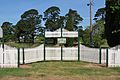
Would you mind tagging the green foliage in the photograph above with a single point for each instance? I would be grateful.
(112, 26)
(51, 16)
(98, 30)
(8, 31)
(98, 34)
(28, 26)
(86, 36)
(100, 14)
(61, 22)
(39, 39)
(73, 20)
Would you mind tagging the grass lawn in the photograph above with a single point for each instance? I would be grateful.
(60, 71)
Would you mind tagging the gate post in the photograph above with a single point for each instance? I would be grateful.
(100, 55)
(23, 56)
(107, 57)
(78, 46)
(61, 53)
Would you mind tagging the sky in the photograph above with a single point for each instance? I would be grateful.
(11, 10)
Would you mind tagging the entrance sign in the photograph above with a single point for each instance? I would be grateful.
(70, 34)
(64, 34)
(61, 40)
(52, 34)
(61, 35)
(1, 32)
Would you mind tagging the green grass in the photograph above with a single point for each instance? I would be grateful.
(61, 69)
(71, 69)
(13, 72)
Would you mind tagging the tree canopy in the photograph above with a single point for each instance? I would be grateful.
(8, 31)
(112, 22)
(28, 25)
(100, 14)
(73, 20)
(51, 16)
(98, 30)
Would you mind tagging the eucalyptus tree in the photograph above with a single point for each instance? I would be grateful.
(51, 16)
(73, 20)
(112, 22)
(7, 31)
(61, 22)
(99, 28)
(28, 25)
(98, 32)
(21, 31)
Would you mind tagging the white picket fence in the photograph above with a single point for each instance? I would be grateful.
(114, 57)
(9, 57)
(32, 54)
(92, 54)
(53, 53)
(69, 53)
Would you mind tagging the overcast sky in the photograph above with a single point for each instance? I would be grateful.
(10, 10)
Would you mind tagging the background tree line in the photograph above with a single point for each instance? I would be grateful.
(98, 32)
(28, 28)
(105, 29)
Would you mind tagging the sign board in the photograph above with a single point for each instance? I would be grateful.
(61, 40)
(1, 32)
(52, 34)
(64, 34)
(70, 34)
